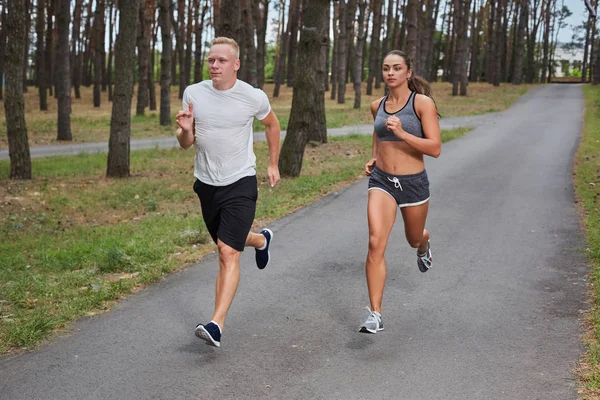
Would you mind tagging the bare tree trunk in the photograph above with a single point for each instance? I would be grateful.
(531, 41)
(111, 24)
(325, 51)
(2, 49)
(280, 61)
(596, 77)
(412, 38)
(229, 20)
(588, 30)
(120, 121)
(308, 101)
(40, 60)
(374, 69)
(164, 21)
(342, 51)
(180, 36)
(461, 12)
(520, 47)
(14, 106)
(49, 47)
(199, 61)
(547, 15)
(98, 50)
(87, 46)
(475, 31)
(144, 36)
(28, 13)
(75, 53)
(260, 14)
(249, 65)
(358, 52)
(63, 71)
(192, 5)
(335, 53)
(294, 17)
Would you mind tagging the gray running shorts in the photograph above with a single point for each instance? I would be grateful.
(407, 190)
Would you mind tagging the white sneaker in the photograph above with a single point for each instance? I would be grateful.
(373, 322)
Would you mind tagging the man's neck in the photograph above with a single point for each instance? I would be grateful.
(224, 86)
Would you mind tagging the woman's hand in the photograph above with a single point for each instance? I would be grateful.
(394, 124)
(369, 166)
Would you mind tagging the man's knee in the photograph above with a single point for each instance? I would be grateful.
(227, 254)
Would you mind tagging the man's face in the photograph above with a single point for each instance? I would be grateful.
(222, 64)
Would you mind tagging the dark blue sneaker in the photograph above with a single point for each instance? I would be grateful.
(263, 256)
(210, 333)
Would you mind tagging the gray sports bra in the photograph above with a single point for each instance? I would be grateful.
(411, 123)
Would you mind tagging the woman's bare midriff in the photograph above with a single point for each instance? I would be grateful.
(398, 158)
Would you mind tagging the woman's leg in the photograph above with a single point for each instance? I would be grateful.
(414, 226)
(381, 213)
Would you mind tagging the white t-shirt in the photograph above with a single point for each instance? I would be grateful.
(223, 134)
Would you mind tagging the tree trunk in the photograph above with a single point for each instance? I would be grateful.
(461, 18)
(374, 69)
(2, 50)
(75, 54)
(40, 61)
(63, 71)
(335, 51)
(361, 37)
(520, 46)
(180, 36)
(584, 67)
(280, 62)
(144, 36)
(120, 121)
(98, 50)
(230, 20)
(189, 30)
(475, 31)
(198, 59)
(342, 50)
(308, 101)
(546, 44)
(531, 41)
(14, 105)
(596, 77)
(249, 63)
(49, 47)
(111, 24)
(412, 37)
(260, 10)
(294, 17)
(164, 21)
(87, 45)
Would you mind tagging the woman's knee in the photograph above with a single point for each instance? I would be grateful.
(377, 245)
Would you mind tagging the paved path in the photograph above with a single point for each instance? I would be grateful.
(498, 317)
(168, 142)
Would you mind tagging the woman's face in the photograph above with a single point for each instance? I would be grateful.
(395, 71)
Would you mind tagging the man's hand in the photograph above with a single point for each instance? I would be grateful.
(185, 119)
(273, 173)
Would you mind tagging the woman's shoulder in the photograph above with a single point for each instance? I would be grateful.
(376, 103)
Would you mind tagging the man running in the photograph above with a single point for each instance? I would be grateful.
(217, 119)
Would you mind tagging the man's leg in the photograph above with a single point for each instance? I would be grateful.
(227, 281)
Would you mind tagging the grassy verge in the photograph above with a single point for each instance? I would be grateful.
(587, 186)
(89, 124)
(74, 241)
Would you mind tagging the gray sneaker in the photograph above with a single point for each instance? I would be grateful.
(373, 323)
(425, 261)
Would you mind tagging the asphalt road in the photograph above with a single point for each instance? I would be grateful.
(498, 317)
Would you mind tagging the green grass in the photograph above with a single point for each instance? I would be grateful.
(74, 241)
(587, 186)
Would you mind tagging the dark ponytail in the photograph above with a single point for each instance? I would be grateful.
(416, 83)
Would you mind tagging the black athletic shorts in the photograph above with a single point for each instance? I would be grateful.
(228, 211)
(407, 190)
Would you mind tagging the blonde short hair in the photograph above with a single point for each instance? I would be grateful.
(228, 41)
